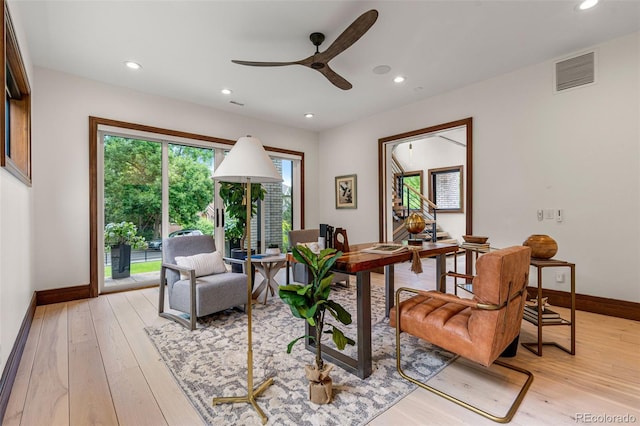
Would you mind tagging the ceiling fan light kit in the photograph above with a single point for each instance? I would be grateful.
(319, 61)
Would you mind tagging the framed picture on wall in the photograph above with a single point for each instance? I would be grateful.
(346, 192)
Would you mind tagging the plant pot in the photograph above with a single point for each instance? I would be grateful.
(120, 261)
(230, 245)
(542, 246)
(320, 384)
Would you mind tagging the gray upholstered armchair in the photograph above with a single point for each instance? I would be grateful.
(197, 280)
(300, 271)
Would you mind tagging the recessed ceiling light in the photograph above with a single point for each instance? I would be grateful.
(133, 65)
(587, 4)
(381, 69)
(226, 91)
(309, 115)
(398, 79)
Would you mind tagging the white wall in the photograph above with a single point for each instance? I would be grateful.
(532, 149)
(61, 109)
(16, 207)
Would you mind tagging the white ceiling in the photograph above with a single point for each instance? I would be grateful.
(186, 48)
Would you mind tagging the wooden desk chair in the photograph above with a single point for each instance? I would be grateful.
(479, 329)
(300, 271)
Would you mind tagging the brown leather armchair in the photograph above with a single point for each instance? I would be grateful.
(478, 329)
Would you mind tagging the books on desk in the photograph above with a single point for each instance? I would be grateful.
(386, 249)
(548, 316)
(475, 246)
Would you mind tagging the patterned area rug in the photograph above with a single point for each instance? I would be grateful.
(211, 362)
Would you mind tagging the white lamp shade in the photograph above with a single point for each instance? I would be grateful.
(247, 159)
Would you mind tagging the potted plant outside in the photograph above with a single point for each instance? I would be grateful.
(311, 302)
(120, 238)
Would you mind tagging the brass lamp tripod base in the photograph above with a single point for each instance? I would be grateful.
(250, 398)
(252, 392)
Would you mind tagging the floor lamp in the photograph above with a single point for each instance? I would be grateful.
(246, 162)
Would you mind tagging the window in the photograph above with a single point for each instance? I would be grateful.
(271, 225)
(409, 200)
(15, 150)
(445, 189)
(157, 179)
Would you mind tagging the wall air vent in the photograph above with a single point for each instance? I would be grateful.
(575, 72)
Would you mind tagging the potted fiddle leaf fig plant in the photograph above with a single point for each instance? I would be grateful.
(311, 302)
(120, 238)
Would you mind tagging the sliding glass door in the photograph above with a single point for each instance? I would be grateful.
(153, 189)
(132, 194)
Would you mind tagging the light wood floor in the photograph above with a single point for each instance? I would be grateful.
(90, 362)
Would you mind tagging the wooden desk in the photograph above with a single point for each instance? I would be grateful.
(361, 264)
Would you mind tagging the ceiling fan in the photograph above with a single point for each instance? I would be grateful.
(320, 60)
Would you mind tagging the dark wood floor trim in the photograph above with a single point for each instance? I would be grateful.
(597, 305)
(65, 294)
(13, 360)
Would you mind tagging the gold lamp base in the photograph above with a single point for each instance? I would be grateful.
(252, 393)
(250, 398)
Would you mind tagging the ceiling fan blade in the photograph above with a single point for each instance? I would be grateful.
(335, 78)
(350, 35)
(263, 64)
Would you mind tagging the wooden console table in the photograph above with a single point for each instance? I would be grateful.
(536, 347)
(361, 264)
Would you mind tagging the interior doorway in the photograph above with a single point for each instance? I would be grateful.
(432, 148)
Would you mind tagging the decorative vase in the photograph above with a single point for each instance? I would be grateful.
(320, 384)
(273, 251)
(415, 223)
(542, 246)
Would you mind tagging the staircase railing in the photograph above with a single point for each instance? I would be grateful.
(418, 203)
(407, 200)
